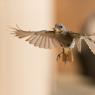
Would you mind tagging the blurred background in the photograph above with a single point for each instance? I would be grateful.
(26, 70)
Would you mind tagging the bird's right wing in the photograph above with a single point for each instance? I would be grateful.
(42, 39)
(91, 43)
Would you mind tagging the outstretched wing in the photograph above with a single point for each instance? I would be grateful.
(42, 39)
(91, 43)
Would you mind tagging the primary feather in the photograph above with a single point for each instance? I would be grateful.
(42, 39)
(90, 43)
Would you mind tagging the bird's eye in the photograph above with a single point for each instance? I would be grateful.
(60, 26)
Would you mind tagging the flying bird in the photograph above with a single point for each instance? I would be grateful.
(58, 37)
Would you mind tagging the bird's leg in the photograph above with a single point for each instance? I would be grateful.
(59, 55)
(72, 57)
(64, 58)
(67, 56)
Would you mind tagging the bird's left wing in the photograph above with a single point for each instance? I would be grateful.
(42, 39)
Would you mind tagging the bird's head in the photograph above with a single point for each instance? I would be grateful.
(60, 28)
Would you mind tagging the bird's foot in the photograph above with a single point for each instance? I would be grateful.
(59, 56)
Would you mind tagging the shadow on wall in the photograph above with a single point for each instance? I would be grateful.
(86, 58)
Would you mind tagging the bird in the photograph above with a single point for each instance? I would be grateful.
(58, 37)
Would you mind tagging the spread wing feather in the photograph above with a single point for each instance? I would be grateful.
(91, 44)
(42, 39)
